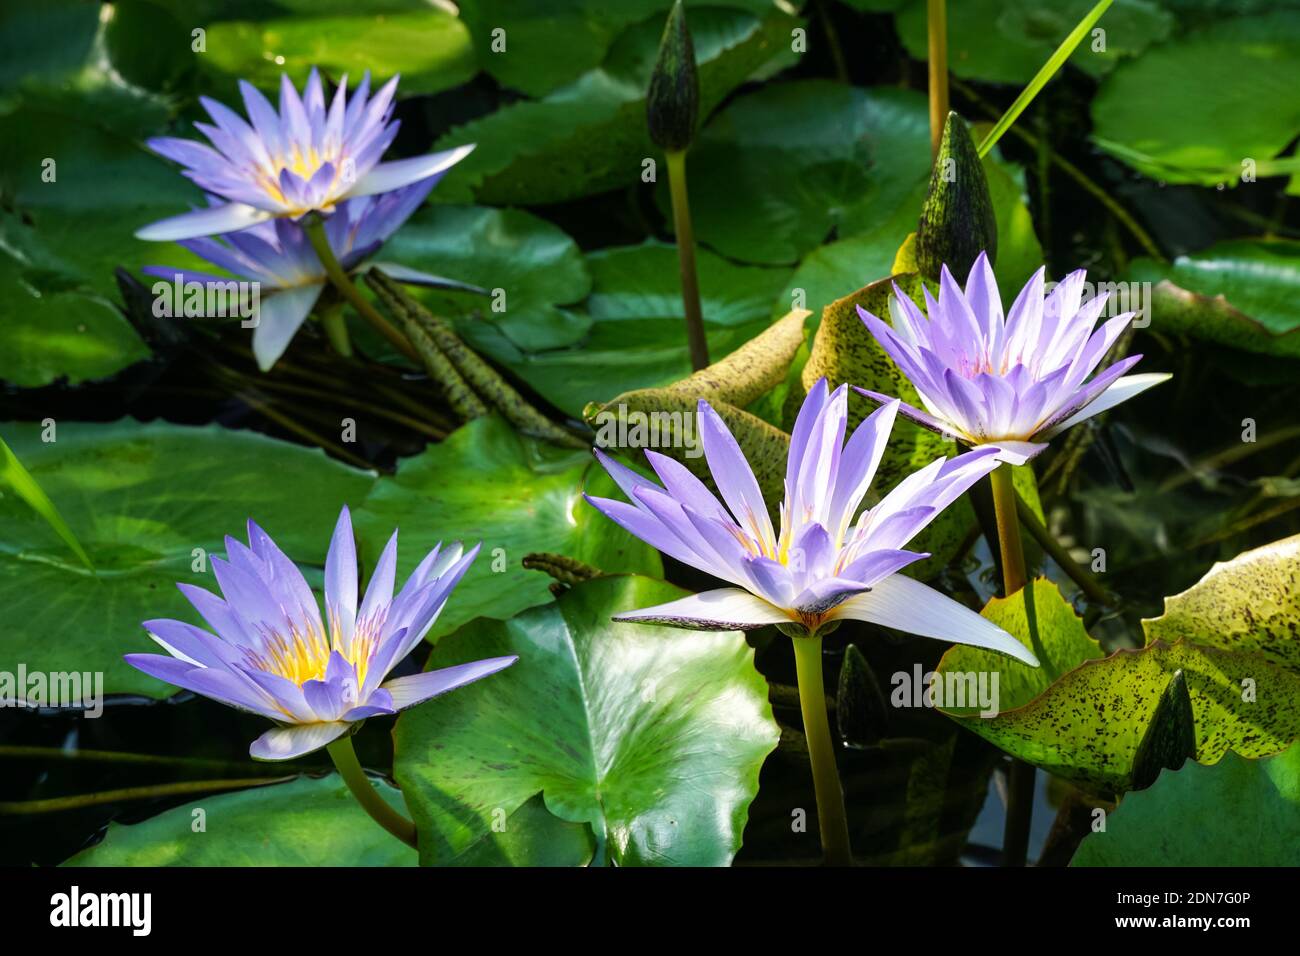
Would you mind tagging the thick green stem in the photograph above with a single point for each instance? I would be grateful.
(1009, 544)
(345, 759)
(1020, 782)
(686, 260)
(347, 288)
(831, 819)
(936, 24)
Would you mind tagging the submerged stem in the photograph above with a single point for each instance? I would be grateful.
(347, 288)
(686, 259)
(831, 819)
(345, 759)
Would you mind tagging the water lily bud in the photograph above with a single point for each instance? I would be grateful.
(957, 221)
(860, 711)
(673, 102)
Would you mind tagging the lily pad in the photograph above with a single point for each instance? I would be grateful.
(638, 329)
(149, 503)
(1008, 42)
(1177, 114)
(535, 265)
(1251, 603)
(1087, 725)
(1040, 618)
(487, 484)
(1237, 813)
(429, 47)
(590, 135)
(304, 822)
(652, 737)
(1240, 293)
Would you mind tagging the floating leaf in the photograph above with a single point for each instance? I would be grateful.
(1240, 293)
(653, 737)
(531, 267)
(1177, 112)
(487, 484)
(1247, 604)
(590, 135)
(305, 822)
(150, 503)
(638, 332)
(1238, 812)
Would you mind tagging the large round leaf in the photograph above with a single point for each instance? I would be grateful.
(534, 264)
(305, 822)
(1247, 604)
(652, 737)
(149, 503)
(590, 135)
(638, 332)
(1241, 293)
(1237, 813)
(1008, 41)
(487, 484)
(1195, 108)
(429, 47)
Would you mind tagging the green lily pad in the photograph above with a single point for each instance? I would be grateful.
(1038, 617)
(780, 170)
(142, 499)
(1008, 42)
(1087, 725)
(304, 822)
(1238, 812)
(535, 264)
(487, 484)
(1177, 113)
(590, 135)
(638, 329)
(1246, 604)
(1240, 293)
(429, 47)
(652, 737)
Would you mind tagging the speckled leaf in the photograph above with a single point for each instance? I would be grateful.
(1038, 617)
(304, 822)
(1238, 812)
(1086, 727)
(1251, 603)
(651, 736)
(487, 484)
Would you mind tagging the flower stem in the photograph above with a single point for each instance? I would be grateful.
(336, 330)
(1020, 781)
(936, 24)
(320, 242)
(1009, 544)
(831, 820)
(686, 259)
(345, 759)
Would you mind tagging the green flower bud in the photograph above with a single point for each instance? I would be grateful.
(1170, 738)
(673, 102)
(957, 221)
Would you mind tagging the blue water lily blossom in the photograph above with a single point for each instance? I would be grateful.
(273, 654)
(825, 563)
(279, 257)
(1013, 380)
(307, 157)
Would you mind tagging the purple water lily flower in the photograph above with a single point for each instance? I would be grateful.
(273, 655)
(306, 158)
(279, 257)
(821, 565)
(1012, 381)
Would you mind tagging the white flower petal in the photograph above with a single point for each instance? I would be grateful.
(726, 609)
(1121, 390)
